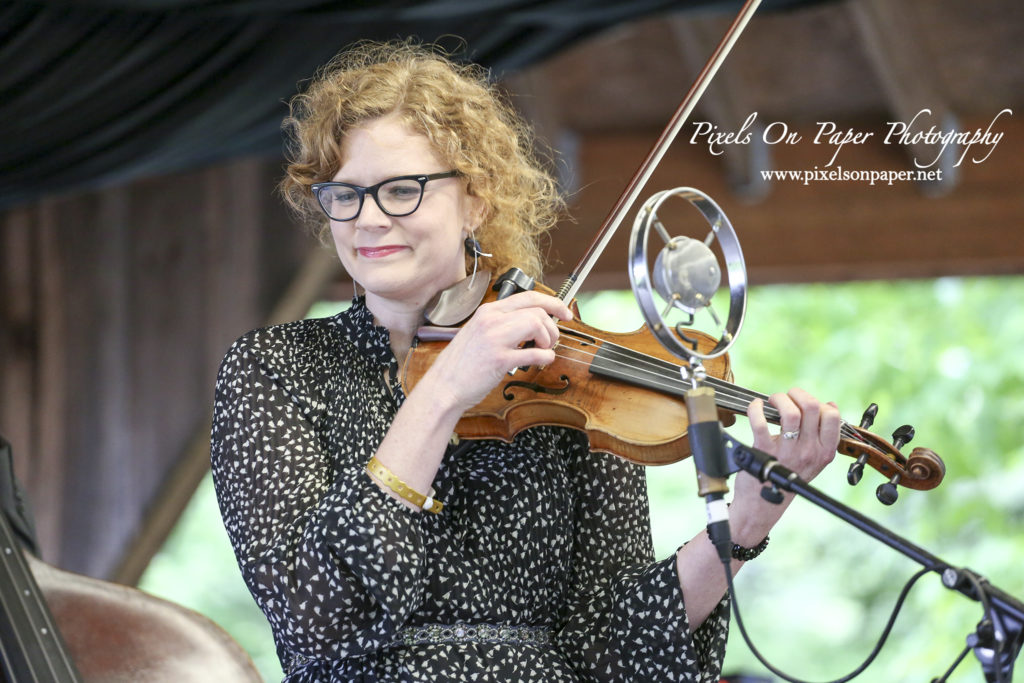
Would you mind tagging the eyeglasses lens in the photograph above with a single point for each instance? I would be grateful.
(340, 203)
(399, 197)
(396, 198)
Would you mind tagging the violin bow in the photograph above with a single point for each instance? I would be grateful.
(575, 280)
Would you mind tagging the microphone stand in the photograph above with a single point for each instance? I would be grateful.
(998, 637)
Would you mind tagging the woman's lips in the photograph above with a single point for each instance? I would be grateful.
(379, 252)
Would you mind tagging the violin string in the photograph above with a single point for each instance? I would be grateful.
(728, 395)
(739, 396)
(666, 376)
(657, 378)
(660, 379)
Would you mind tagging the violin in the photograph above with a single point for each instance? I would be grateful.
(626, 392)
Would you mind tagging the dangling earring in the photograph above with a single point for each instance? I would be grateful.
(473, 247)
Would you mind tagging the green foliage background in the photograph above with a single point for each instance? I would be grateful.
(940, 355)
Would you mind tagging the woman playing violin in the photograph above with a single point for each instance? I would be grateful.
(448, 561)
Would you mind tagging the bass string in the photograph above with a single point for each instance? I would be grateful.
(663, 374)
(29, 609)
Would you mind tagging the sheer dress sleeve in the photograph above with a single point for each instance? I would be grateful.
(333, 562)
(625, 620)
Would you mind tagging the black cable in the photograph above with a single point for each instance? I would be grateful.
(856, 672)
(956, 663)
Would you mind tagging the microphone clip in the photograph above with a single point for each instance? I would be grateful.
(707, 444)
(695, 373)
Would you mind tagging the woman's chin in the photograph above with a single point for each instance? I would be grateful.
(403, 284)
(416, 293)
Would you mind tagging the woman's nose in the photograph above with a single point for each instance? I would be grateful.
(371, 215)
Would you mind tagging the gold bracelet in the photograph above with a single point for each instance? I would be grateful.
(377, 469)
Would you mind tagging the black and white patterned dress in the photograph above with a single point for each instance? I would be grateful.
(540, 537)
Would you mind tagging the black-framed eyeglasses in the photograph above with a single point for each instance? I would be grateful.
(396, 197)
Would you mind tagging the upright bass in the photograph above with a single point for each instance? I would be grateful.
(61, 627)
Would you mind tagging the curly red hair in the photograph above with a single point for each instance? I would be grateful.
(470, 125)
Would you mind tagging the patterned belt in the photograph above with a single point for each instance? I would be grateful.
(472, 633)
(430, 634)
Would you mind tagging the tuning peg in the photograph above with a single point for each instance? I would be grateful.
(868, 418)
(887, 493)
(902, 436)
(856, 470)
(772, 494)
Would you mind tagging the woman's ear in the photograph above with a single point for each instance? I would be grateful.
(474, 213)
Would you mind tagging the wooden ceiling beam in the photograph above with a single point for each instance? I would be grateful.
(828, 230)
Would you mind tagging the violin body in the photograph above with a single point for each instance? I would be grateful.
(640, 424)
(627, 392)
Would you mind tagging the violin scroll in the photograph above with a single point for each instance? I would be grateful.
(923, 470)
(925, 465)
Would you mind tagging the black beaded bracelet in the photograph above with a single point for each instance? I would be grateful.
(743, 554)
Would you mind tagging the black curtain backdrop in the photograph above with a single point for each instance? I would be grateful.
(96, 93)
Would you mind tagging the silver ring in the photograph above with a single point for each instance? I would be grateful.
(791, 434)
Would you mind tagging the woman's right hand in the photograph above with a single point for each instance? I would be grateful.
(494, 341)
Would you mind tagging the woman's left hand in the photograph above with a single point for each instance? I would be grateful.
(806, 443)
(808, 436)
